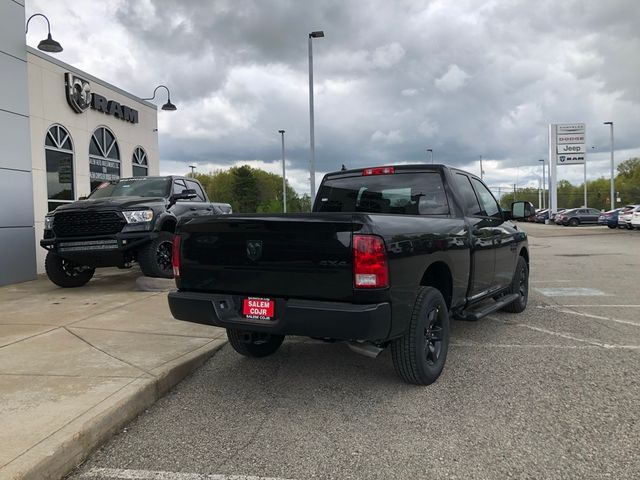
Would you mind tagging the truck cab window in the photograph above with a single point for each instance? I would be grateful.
(468, 196)
(489, 204)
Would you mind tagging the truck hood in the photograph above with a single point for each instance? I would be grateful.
(113, 202)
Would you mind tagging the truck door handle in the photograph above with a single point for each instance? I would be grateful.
(193, 208)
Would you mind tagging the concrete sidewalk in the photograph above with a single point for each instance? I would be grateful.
(77, 364)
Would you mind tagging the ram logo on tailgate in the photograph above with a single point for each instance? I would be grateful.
(254, 249)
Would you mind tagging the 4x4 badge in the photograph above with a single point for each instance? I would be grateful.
(254, 249)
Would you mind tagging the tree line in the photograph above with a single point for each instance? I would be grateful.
(626, 182)
(251, 190)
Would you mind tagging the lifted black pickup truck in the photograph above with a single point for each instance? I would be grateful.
(128, 220)
(388, 254)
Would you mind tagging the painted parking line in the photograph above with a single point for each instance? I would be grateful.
(124, 474)
(566, 336)
(536, 345)
(571, 292)
(588, 315)
(589, 305)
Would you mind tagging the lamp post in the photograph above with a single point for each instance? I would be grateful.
(430, 152)
(543, 182)
(193, 170)
(167, 106)
(613, 200)
(312, 166)
(48, 44)
(284, 181)
(481, 170)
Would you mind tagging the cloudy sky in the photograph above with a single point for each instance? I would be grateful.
(392, 78)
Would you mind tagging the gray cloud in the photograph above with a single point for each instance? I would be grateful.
(392, 79)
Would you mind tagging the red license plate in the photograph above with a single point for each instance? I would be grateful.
(258, 308)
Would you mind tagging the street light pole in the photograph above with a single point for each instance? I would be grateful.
(193, 170)
(284, 181)
(543, 182)
(481, 170)
(613, 200)
(430, 152)
(312, 167)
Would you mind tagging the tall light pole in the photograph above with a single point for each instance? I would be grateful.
(312, 167)
(284, 182)
(430, 152)
(193, 170)
(543, 181)
(613, 200)
(481, 170)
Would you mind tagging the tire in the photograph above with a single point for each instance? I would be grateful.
(574, 222)
(251, 344)
(612, 226)
(65, 273)
(629, 227)
(155, 257)
(419, 356)
(520, 285)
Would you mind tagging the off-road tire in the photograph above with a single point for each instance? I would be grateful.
(251, 344)
(413, 353)
(153, 259)
(612, 226)
(65, 273)
(519, 285)
(574, 222)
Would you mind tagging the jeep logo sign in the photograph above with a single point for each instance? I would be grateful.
(80, 98)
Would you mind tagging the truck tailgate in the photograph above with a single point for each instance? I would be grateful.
(293, 256)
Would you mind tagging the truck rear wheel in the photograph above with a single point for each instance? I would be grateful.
(155, 257)
(251, 344)
(65, 273)
(419, 355)
(519, 285)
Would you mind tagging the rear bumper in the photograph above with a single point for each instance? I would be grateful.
(310, 318)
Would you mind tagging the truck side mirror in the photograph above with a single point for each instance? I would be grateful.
(520, 210)
(186, 194)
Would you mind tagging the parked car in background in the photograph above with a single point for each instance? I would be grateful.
(635, 218)
(610, 218)
(624, 220)
(558, 218)
(542, 215)
(579, 216)
(553, 216)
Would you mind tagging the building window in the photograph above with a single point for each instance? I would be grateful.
(58, 152)
(104, 157)
(139, 162)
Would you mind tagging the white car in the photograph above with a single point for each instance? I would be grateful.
(635, 218)
(624, 219)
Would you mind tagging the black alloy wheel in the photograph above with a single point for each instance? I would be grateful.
(155, 257)
(66, 273)
(519, 285)
(420, 354)
(574, 222)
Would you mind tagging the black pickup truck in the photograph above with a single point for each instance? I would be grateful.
(385, 258)
(121, 222)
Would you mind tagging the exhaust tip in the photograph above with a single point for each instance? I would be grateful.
(366, 349)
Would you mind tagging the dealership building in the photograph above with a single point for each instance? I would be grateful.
(62, 132)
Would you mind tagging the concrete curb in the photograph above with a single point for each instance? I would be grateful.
(60, 453)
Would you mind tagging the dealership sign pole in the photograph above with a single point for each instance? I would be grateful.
(566, 147)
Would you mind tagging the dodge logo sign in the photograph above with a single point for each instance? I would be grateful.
(254, 249)
(80, 98)
(78, 92)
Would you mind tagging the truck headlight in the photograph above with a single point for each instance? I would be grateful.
(48, 222)
(138, 216)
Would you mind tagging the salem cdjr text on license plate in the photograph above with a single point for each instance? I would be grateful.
(258, 308)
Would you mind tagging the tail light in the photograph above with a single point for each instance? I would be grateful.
(175, 256)
(370, 269)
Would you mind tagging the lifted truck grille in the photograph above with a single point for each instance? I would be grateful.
(75, 224)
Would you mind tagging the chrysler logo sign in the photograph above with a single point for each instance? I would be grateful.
(80, 98)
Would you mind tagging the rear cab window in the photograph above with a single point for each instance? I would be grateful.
(402, 193)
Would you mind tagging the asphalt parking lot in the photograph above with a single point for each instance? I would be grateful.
(550, 393)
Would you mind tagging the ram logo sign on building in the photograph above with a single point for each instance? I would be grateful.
(570, 143)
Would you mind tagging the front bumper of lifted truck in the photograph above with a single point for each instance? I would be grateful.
(310, 318)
